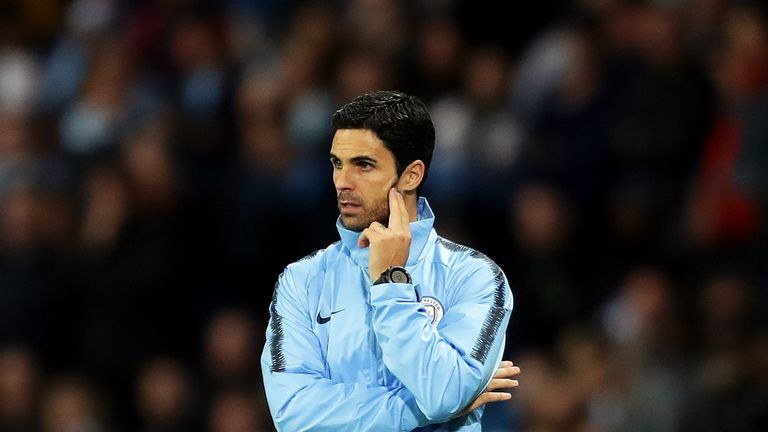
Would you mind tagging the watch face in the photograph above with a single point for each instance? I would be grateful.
(399, 276)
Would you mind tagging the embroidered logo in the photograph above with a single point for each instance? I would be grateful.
(323, 320)
(434, 308)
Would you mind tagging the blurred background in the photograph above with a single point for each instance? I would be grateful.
(162, 161)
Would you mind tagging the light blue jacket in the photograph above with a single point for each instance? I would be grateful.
(343, 355)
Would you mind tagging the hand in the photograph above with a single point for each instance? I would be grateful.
(390, 245)
(501, 380)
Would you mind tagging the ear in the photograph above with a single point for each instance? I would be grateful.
(411, 177)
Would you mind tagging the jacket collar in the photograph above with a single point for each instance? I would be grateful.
(420, 233)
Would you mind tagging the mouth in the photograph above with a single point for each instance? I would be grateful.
(349, 208)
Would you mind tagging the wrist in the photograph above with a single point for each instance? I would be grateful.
(393, 274)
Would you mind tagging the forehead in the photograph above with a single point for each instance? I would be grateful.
(348, 143)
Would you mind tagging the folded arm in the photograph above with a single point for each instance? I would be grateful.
(448, 366)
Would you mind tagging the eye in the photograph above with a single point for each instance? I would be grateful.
(365, 166)
(336, 163)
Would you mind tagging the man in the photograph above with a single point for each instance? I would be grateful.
(393, 327)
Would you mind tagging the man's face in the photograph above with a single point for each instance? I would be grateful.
(363, 172)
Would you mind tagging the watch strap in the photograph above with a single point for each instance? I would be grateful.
(386, 275)
(384, 278)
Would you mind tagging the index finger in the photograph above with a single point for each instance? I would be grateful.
(406, 219)
(398, 215)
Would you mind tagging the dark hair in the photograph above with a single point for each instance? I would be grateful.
(401, 121)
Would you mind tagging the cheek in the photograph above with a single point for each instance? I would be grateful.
(374, 190)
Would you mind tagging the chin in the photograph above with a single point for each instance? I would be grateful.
(353, 223)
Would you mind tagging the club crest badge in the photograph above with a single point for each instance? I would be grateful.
(433, 308)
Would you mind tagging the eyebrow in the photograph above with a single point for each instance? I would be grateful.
(357, 159)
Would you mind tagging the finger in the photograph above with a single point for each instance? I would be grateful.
(507, 372)
(403, 212)
(488, 397)
(395, 220)
(398, 214)
(506, 364)
(366, 237)
(377, 227)
(502, 383)
(363, 241)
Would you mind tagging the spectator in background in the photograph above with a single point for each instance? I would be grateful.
(437, 58)
(376, 26)
(265, 158)
(94, 121)
(272, 171)
(19, 389)
(166, 397)
(232, 377)
(560, 94)
(729, 371)
(105, 210)
(727, 315)
(551, 404)
(34, 223)
(480, 139)
(20, 81)
(593, 374)
(643, 328)
(129, 268)
(659, 122)
(70, 403)
(543, 263)
(724, 211)
(238, 411)
(230, 351)
(310, 50)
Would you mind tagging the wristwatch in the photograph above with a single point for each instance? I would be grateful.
(394, 274)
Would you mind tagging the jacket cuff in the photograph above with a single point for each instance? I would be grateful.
(392, 291)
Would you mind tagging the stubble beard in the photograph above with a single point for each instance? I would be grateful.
(377, 212)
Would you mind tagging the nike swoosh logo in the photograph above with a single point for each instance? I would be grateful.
(323, 320)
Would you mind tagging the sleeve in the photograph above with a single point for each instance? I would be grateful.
(448, 366)
(300, 396)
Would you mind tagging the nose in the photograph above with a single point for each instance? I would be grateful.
(342, 179)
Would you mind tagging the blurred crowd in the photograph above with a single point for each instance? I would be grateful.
(162, 161)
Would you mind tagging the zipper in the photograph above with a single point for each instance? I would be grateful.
(376, 360)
